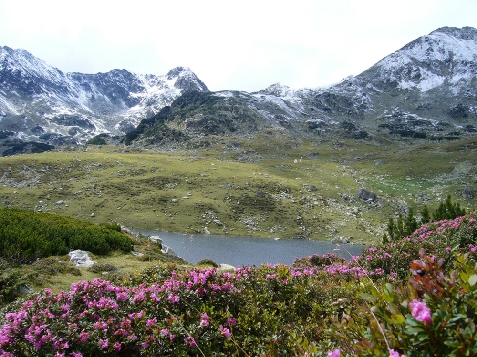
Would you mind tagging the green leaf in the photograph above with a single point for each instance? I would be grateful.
(388, 297)
(414, 330)
(398, 319)
(368, 297)
(472, 280)
(464, 276)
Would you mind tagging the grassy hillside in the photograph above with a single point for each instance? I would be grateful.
(267, 186)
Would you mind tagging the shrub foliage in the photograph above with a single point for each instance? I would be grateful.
(26, 236)
(411, 297)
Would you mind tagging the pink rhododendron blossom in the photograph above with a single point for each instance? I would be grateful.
(190, 341)
(231, 321)
(420, 311)
(104, 343)
(225, 331)
(393, 353)
(335, 353)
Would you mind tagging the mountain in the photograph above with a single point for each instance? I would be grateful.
(427, 90)
(41, 103)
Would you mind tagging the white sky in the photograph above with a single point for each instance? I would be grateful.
(241, 45)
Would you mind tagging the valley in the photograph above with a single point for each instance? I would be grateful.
(265, 186)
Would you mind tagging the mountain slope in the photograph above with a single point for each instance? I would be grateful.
(426, 90)
(39, 102)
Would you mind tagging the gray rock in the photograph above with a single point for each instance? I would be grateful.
(155, 240)
(366, 195)
(80, 258)
(25, 289)
(168, 251)
(468, 193)
(226, 267)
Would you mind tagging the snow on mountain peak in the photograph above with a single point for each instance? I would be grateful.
(425, 63)
(114, 101)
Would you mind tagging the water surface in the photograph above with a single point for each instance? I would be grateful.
(238, 251)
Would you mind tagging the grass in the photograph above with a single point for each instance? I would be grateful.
(58, 273)
(262, 187)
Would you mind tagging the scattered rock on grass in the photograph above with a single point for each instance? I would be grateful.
(80, 258)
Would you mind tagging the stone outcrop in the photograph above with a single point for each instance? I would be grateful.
(366, 195)
(80, 258)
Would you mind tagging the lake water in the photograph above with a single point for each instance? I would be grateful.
(238, 251)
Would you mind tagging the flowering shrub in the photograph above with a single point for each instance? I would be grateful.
(184, 312)
(320, 306)
(434, 316)
(440, 238)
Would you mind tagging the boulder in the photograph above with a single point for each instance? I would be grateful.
(155, 240)
(168, 251)
(260, 194)
(225, 267)
(80, 258)
(468, 193)
(366, 195)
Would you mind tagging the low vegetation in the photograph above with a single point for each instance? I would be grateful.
(26, 236)
(320, 306)
(266, 186)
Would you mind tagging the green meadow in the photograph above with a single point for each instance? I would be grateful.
(263, 186)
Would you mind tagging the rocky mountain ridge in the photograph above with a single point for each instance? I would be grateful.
(426, 90)
(39, 102)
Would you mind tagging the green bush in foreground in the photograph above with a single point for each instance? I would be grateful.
(26, 236)
(434, 316)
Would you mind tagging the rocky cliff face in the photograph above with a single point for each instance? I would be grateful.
(39, 102)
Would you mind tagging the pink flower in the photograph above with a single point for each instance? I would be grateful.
(151, 322)
(104, 343)
(420, 311)
(190, 341)
(225, 331)
(335, 353)
(231, 321)
(83, 337)
(393, 353)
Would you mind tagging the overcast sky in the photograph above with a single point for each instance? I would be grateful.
(242, 45)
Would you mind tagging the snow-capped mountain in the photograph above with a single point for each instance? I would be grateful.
(40, 102)
(447, 56)
(425, 90)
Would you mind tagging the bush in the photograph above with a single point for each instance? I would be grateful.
(208, 262)
(434, 316)
(26, 236)
(362, 307)
(105, 267)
